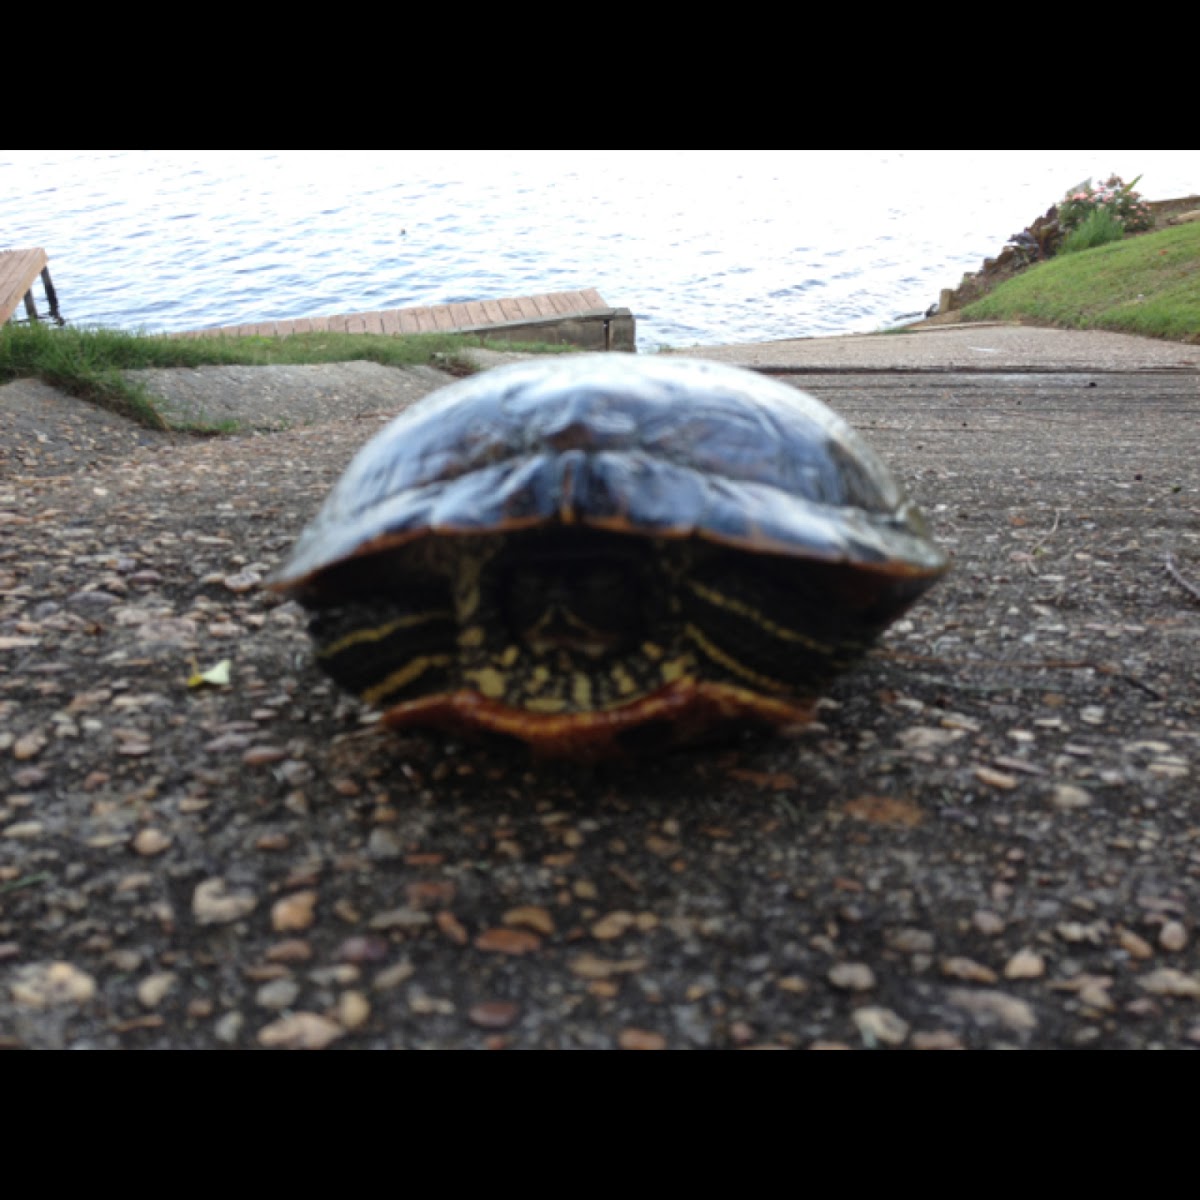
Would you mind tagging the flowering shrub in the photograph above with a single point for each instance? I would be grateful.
(1115, 196)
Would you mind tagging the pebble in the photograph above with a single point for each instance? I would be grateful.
(911, 941)
(261, 756)
(353, 1010)
(300, 1031)
(493, 1014)
(996, 779)
(592, 966)
(1167, 981)
(613, 925)
(24, 830)
(876, 1024)
(213, 904)
(508, 941)
(294, 912)
(228, 1029)
(29, 745)
(988, 923)
(425, 1005)
(290, 950)
(641, 1039)
(393, 977)
(530, 916)
(150, 841)
(153, 989)
(1134, 944)
(851, 977)
(937, 1039)
(1010, 1011)
(1025, 964)
(1068, 796)
(384, 845)
(1173, 936)
(48, 985)
(279, 993)
(968, 969)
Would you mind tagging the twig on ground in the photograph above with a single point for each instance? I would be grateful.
(1174, 572)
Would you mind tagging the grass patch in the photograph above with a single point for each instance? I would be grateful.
(90, 363)
(1149, 285)
(1099, 228)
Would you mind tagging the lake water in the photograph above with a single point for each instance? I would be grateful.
(705, 246)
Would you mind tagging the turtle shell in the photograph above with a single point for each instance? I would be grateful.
(577, 549)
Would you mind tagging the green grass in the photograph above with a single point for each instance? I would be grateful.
(1149, 285)
(1099, 228)
(89, 363)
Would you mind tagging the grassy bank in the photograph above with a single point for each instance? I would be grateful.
(1149, 284)
(90, 363)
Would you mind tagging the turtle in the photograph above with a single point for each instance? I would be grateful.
(607, 552)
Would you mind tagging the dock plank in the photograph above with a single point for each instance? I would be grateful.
(433, 318)
(18, 270)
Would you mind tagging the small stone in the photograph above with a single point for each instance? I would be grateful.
(530, 916)
(988, 923)
(959, 967)
(452, 928)
(153, 989)
(876, 1024)
(1134, 945)
(937, 1039)
(30, 745)
(148, 842)
(228, 1028)
(294, 912)
(1006, 1010)
(911, 941)
(996, 779)
(1025, 964)
(48, 985)
(1173, 936)
(641, 1039)
(243, 581)
(290, 950)
(508, 941)
(213, 904)
(393, 977)
(300, 1031)
(1167, 981)
(353, 1010)
(493, 1014)
(407, 920)
(261, 756)
(385, 844)
(592, 966)
(1067, 796)
(613, 925)
(24, 830)
(359, 949)
(279, 993)
(425, 1005)
(922, 737)
(851, 977)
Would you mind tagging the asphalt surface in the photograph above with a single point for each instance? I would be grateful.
(990, 837)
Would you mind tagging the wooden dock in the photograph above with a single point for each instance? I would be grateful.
(579, 318)
(19, 270)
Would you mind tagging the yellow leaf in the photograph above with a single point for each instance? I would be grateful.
(217, 676)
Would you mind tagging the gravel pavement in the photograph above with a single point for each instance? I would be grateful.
(990, 837)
